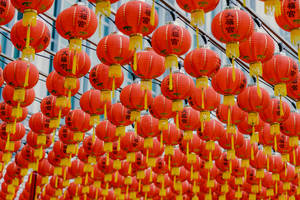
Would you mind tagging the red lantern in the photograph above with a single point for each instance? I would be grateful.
(7, 113)
(237, 115)
(274, 114)
(15, 97)
(287, 21)
(148, 126)
(40, 123)
(258, 48)
(204, 100)
(77, 120)
(197, 8)
(171, 136)
(182, 87)
(18, 134)
(100, 80)
(161, 108)
(293, 90)
(76, 23)
(35, 140)
(136, 99)
(278, 71)
(91, 103)
(55, 84)
(50, 107)
(150, 65)
(251, 129)
(107, 54)
(202, 63)
(8, 12)
(39, 38)
(253, 102)
(66, 135)
(291, 128)
(171, 41)
(21, 73)
(119, 115)
(232, 26)
(64, 60)
(134, 19)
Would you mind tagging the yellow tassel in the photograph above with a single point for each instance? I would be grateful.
(7, 145)
(26, 76)
(197, 37)
(294, 156)
(232, 50)
(129, 169)
(276, 187)
(134, 61)
(202, 82)
(151, 177)
(229, 117)
(280, 89)
(245, 173)
(86, 179)
(53, 137)
(30, 178)
(268, 163)
(105, 111)
(119, 142)
(298, 105)
(233, 71)
(74, 66)
(139, 187)
(281, 108)
(152, 17)
(198, 17)
(273, 6)
(146, 99)
(244, 2)
(177, 119)
(28, 37)
(202, 98)
(103, 7)
(136, 42)
(275, 142)
(107, 158)
(65, 174)
(230, 166)
(56, 181)
(116, 176)
(161, 139)
(257, 86)
(146, 194)
(115, 71)
(75, 44)
(170, 80)
(169, 163)
(255, 69)
(147, 155)
(29, 17)
(232, 141)
(171, 61)
(252, 153)
(127, 187)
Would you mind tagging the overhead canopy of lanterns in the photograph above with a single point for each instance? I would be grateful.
(208, 135)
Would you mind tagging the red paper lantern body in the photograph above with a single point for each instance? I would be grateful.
(8, 12)
(40, 123)
(232, 26)
(6, 113)
(77, 21)
(91, 103)
(63, 63)
(50, 108)
(39, 36)
(293, 90)
(77, 120)
(8, 96)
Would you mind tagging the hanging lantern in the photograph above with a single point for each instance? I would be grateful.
(150, 65)
(138, 24)
(55, 84)
(7, 12)
(202, 63)
(260, 163)
(63, 62)
(75, 24)
(40, 123)
(119, 115)
(21, 74)
(77, 120)
(54, 109)
(15, 97)
(225, 83)
(276, 166)
(182, 86)
(276, 73)
(197, 8)
(91, 103)
(161, 108)
(171, 41)
(11, 136)
(232, 26)
(135, 98)
(287, 20)
(100, 80)
(106, 131)
(258, 48)
(293, 88)
(291, 128)
(107, 54)
(6, 113)
(35, 140)
(275, 114)
(204, 100)
(189, 120)
(30, 40)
